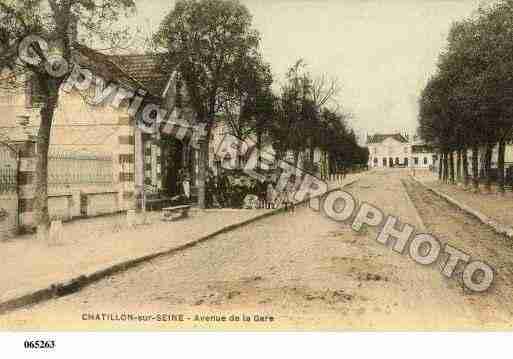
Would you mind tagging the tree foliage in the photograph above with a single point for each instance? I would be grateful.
(467, 103)
(206, 42)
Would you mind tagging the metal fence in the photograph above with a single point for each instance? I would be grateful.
(71, 169)
(8, 179)
(8, 170)
(8, 192)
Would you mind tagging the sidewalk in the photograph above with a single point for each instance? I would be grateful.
(92, 245)
(350, 179)
(89, 245)
(494, 206)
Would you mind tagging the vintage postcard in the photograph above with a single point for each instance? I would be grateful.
(256, 165)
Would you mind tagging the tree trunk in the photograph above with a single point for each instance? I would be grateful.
(488, 167)
(451, 166)
(465, 167)
(446, 167)
(259, 148)
(440, 166)
(475, 167)
(326, 165)
(296, 162)
(41, 213)
(502, 153)
(458, 167)
(311, 154)
(510, 173)
(202, 171)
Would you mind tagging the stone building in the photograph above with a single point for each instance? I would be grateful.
(99, 160)
(399, 150)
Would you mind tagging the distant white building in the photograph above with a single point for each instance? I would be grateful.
(397, 150)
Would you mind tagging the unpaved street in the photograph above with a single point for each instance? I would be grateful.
(306, 272)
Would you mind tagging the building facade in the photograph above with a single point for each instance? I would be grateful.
(399, 150)
(98, 160)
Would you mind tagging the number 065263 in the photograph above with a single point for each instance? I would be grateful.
(39, 344)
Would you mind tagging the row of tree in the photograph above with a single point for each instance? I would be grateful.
(468, 104)
(215, 51)
(306, 117)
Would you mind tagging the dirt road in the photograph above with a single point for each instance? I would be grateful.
(301, 271)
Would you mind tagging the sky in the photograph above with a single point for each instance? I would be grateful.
(382, 51)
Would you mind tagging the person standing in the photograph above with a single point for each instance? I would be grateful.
(186, 182)
(289, 195)
(270, 197)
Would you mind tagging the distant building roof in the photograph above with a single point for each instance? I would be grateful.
(422, 149)
(381, 137)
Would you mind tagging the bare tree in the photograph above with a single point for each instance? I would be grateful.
(325, 89)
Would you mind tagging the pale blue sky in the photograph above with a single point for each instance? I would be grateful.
(382, 51)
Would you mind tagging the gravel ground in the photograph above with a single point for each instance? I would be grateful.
(303, 270)
(450, 224)
(28, 264)
(493, 205)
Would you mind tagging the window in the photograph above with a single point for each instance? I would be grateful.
(425, 160)
(384, 162)
(375, 161)
(397, 160)
(416, 160)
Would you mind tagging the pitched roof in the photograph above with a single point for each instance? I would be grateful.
(146, 70)
(131, 71)
(378, 138)
(134, 71)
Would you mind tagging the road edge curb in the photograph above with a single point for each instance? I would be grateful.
(76, 284)
(423, 227)
(499, 228)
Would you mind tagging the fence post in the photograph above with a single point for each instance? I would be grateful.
(126, 161)
(26, 185)
(55, 235)
(76, 196)
(131, 218)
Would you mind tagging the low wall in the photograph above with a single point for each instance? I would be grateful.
(101, 203)
(67, 205)
(79, 186)
(70, 204)
(60, 207)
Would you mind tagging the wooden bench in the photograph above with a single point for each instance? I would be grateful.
(156, 201)
(169, 213)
